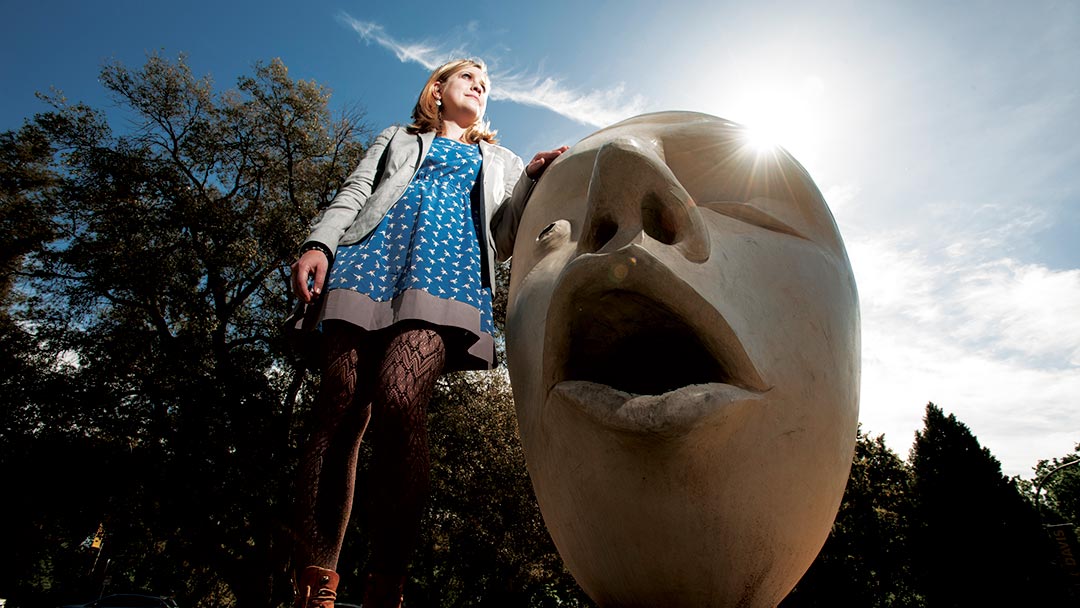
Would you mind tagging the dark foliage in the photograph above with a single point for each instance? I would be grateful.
(866, 561)
(975, 540)
(148, 389)
(945, 528)
(1057, 499)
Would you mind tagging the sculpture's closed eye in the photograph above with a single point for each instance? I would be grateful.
(747, 212)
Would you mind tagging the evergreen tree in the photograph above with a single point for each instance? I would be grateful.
(866, 560)
(975, 540)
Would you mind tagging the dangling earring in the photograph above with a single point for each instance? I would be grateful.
(438, 103)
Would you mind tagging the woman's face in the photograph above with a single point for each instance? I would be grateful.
(464, 96)
(683, 342)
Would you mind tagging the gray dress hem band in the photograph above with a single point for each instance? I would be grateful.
(417, 305)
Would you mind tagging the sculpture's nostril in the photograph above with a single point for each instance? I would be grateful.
(603, 230)
(660, 221)
(632, 192)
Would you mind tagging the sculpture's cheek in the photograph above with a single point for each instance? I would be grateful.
(703, 513)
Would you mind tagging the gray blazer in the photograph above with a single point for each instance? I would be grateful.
(360, 204)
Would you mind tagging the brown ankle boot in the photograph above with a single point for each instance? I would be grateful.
(383, 591)
(316, 588)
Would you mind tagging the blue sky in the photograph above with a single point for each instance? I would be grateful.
(945, 136)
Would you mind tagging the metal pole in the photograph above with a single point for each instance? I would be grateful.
(1073, 588)
(1039, 484)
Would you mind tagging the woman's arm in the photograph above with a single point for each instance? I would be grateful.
(321, 244)
(350, 199)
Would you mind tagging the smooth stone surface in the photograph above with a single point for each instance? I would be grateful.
(683, 343)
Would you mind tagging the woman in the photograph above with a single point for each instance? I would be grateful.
(410, 248)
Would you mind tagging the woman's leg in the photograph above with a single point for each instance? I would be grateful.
(327, 473)
(401, 469)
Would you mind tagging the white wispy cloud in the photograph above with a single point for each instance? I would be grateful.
(994, 341)
(1026, 310)
(597, 108)
(594, 108)
(427, 55)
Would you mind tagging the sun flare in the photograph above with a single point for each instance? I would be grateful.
(761, 139)
(782, 116)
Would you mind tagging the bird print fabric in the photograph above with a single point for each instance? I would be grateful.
(426, 243)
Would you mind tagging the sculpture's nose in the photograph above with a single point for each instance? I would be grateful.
(633, 194)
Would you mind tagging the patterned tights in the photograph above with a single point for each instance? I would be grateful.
(390, 385)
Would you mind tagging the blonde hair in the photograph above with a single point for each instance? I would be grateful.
(426, 115)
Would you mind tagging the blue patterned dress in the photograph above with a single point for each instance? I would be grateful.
(422, 262)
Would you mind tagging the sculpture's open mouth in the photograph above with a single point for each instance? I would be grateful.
(645, 352)
(635, 344)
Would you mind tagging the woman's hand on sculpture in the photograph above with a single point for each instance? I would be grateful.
(312, 263)
(541, 161)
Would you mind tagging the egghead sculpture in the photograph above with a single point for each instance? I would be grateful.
(683, 343)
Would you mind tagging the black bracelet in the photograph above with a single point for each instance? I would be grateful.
(316, 245)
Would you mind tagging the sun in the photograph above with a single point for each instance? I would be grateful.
(782, 114)
(761, 139)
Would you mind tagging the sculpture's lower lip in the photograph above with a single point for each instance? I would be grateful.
(670, 415)
(645, 353)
